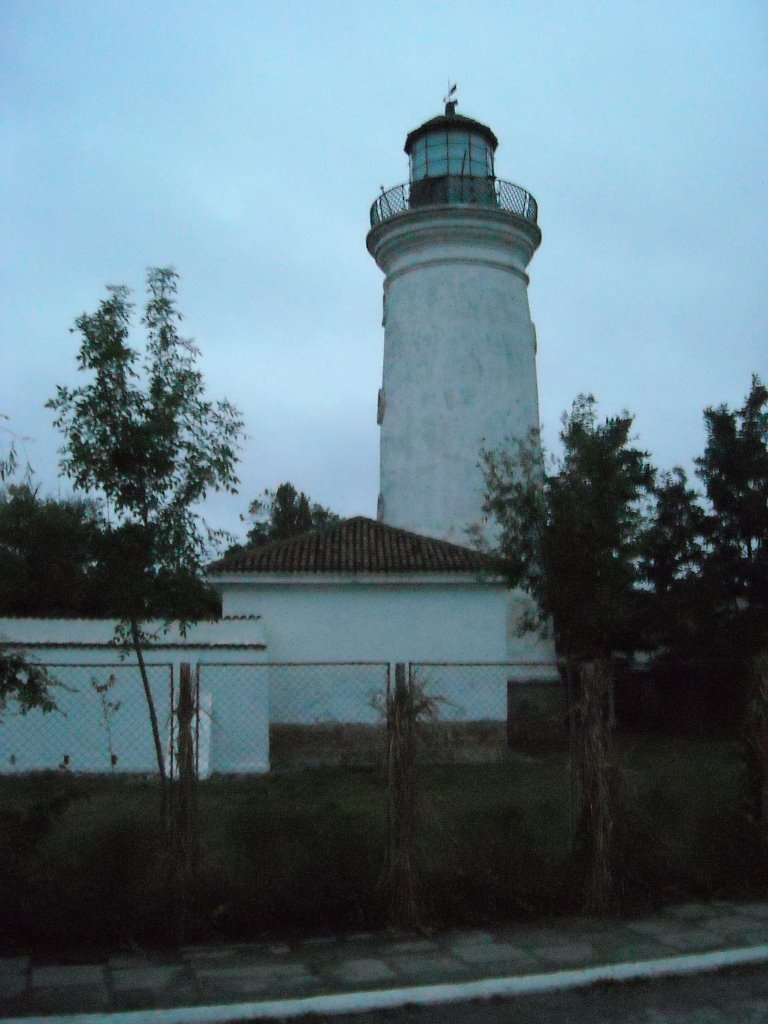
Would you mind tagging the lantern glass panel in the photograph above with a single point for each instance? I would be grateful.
(419, 160)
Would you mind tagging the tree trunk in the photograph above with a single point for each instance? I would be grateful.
(184, 812)
(136, 639)
(595, 773)
(757, 749)
(402, 802)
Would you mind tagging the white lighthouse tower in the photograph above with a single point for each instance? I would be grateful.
(459, 344)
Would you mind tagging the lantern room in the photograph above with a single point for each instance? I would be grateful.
(451, 145)
(451, 161)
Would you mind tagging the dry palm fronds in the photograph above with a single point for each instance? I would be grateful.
(406, 708)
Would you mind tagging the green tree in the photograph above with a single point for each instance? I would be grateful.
(22, 682)
(142, 437)
(734, 470)
(677, 603)
(48, 550)
(572, 540)
(572, 536)
(285, 512)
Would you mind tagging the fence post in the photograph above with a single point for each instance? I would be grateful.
(401, 873)
(184, 816)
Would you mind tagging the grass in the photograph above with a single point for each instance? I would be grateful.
(82, 863)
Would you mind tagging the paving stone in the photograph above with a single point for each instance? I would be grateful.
(67, 999)
(497, 954)
(758, 937)
(156, 978)
(474, 937)
(12, 984)
(580, 926)
(363, 972)
(258, 978)
(320, 940)
(629, 952)
(414, 946)
(232, 952)
(564, 953)
(68, 976)
(689, 940)
(742, 929)
(704, 1015)
(533, 936)
(751, 1011)
(655, 927)
(149, 999)
(233, 961)
(126, 960)
(13, 964)
(15, 1006)
(428, 969)
(759, 910)
(279, 949)
(691, 911)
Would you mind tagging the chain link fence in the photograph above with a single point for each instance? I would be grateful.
(249, 718)
(101, 724)
(331, 714)
(482, 711)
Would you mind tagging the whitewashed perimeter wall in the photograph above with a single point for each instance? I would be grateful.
(110, 731)
(320, 654)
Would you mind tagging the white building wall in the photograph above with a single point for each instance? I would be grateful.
(459, 360)
(362, 620)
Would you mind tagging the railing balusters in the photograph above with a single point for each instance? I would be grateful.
(509, 198)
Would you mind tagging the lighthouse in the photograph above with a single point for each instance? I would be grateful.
(459, 373)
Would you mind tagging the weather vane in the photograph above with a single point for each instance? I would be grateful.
(450, 98)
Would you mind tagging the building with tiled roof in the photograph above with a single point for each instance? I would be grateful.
(357, 545)
(361, 590)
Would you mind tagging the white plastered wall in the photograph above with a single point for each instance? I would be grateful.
(459, 361)
(110, 731)
(426, 620)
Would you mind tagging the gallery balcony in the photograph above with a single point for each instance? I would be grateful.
(454, 190)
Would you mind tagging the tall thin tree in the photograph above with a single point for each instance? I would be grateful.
(142, 436)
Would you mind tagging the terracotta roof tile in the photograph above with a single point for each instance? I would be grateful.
(357, 545)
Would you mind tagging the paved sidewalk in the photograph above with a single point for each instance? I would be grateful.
(209, 975)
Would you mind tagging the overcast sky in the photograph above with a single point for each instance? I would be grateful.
(243, 143)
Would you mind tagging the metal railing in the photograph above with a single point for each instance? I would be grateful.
(455, 190)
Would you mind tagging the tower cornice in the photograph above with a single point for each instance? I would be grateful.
(454, 234)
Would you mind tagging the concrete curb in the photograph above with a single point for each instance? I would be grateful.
(419, 995)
